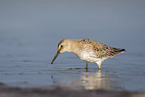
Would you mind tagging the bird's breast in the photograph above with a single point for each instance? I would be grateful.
(88, 56)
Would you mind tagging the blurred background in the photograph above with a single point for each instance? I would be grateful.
(31, 29)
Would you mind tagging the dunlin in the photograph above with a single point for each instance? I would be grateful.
(87, 50)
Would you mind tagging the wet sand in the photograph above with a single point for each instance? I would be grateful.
(7, 91)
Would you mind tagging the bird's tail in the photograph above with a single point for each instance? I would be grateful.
(117, 50)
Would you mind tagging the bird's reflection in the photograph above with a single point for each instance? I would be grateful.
(92, 80)
(89, 80)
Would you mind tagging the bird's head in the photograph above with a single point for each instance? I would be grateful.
(63, 46)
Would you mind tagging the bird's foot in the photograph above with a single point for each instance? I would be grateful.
(86, 69)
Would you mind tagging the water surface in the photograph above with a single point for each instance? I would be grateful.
(31, 30)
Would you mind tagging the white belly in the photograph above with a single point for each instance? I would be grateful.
(91, 57)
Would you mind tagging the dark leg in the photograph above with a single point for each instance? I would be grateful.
(86, 65)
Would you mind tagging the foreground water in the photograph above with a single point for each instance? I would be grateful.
(30, 31)
(116, 74)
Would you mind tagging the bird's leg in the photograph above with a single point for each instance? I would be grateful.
(99, 64)
(99, 68)
(86, 65)
(86, 70)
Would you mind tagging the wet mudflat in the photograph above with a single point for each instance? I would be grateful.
(6, 91)
(116, 74)
(30, 32)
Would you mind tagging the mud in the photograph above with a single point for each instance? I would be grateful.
(7, 91)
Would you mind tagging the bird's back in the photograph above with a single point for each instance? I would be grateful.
(99, 49)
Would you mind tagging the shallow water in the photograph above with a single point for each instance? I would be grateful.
(31, 30)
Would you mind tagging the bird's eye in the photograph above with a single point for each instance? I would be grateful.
(61, 46)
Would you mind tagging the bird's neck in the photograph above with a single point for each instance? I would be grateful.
(74, 47)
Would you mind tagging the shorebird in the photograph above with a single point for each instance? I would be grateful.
(88, 50)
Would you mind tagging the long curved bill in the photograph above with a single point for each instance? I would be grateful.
(55, 56)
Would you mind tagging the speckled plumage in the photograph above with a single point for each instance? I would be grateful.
(87, 50)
